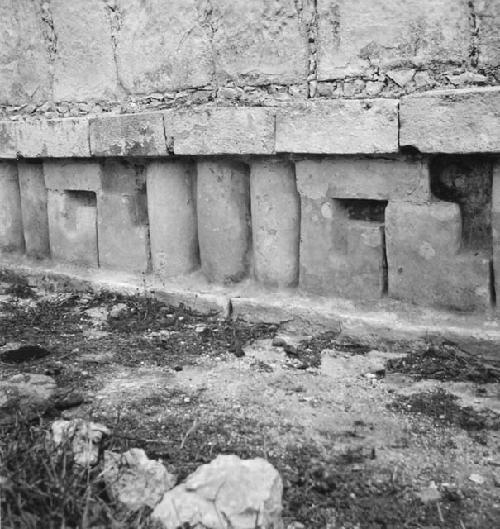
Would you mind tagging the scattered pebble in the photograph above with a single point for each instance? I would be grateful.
(477, 478)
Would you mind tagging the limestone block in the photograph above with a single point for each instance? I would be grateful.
(34, 209)
(339, 256)
(364, 178)
(73, 226)
(487, 14)
(84, 66)
(425, 262)
(218, 130)
(259, 42)
(123, 232)
(163, 45)
(24, 53)
(223, 220)
(128, 135)
(76, 176)
(358, 35)
(275, 208)
(8, 139)
(58, 138)
(339, 127)
(11, 223)
(452, 121)
(172, 217)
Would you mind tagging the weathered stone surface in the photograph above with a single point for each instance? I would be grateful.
(275, 210)
(135, 481)
(25, 395)
(172, 217)
(358, 35)
(452, 121)
(339, 256)
(163, 46)
(11, 222)
(34, 209)
(59, 138)
(228, 492)
(73, 226)
(83, 437)
(84, 66)
(128, 135)
(339, 127)
(122, 210)
(259, 42)
(25, 49)
(223, 219)
(219, 130)
(487, 14)
(425, 264)
(377, 179)
(74, 176)
(8, 139)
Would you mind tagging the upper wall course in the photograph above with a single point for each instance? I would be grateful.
(25, 50)
(358, 37)
(452, 121)
(162, 45)
(84, 66)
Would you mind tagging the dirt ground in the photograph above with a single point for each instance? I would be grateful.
(405, 436)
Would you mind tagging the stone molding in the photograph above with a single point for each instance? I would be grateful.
(445, 121)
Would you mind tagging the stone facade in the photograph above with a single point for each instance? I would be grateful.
(309, 145)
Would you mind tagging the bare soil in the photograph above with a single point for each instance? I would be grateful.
(355, 448)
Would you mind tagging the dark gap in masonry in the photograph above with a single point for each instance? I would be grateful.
(83, 198)
(385, 266)
(467, 181)
(363, 209)
(493, 292)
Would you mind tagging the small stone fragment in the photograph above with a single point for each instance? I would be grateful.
(118, 310)
(134, 480)
(84, 437)
(477, 478)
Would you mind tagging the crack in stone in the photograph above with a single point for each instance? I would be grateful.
(115, 23)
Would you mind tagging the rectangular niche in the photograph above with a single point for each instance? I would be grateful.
(73, 226)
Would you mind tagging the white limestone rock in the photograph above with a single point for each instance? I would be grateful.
(134, 480)
(228, 493)
(84, 437)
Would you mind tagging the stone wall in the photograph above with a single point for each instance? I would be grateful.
(341, 148)
(69, 59)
